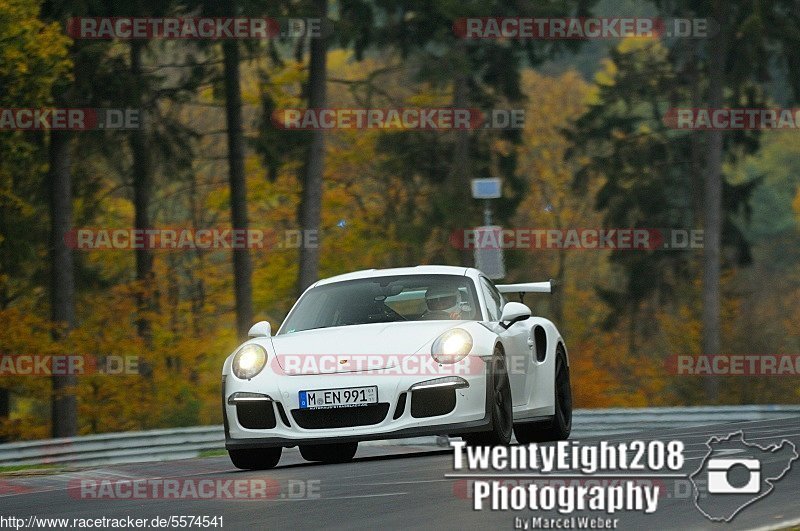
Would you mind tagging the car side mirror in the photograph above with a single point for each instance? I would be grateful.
(260, 329)
(514, 312)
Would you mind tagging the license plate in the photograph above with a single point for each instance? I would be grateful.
(334, 398)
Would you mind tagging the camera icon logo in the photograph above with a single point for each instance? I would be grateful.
(719, 476)
(736, 473)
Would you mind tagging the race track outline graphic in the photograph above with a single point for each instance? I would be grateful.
(722, 501)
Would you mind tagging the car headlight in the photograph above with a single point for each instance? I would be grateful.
(452, 346)
(249, 361)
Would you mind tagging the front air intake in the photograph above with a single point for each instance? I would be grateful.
(256, 415)
(432, 402)
(346, 417)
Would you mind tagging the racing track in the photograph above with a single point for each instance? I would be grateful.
(394, 487)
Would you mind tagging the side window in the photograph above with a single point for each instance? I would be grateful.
(494, 302)
(499, 297)
(503, 299)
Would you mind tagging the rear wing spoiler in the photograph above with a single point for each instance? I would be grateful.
(528, 287)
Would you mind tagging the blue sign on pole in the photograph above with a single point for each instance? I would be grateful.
(490, 188)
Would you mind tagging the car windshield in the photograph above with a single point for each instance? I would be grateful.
(384, 300)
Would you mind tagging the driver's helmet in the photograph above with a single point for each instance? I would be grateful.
(442, 299)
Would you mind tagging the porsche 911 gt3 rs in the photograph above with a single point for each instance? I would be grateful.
(381, 354)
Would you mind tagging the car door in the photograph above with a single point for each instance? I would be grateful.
(515, 339)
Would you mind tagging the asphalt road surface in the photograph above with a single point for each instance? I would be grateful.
(385, 487)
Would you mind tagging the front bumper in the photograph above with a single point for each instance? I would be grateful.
(289, 426)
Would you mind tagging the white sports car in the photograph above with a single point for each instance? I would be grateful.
(380, 354)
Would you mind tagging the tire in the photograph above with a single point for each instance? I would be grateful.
(256, 458)
(559, 427)
(329, 453)
(502, 412)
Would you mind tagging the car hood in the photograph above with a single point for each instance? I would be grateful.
(354, 348)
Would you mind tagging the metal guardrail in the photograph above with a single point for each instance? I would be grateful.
(184, 443)
(598, 422)
(112, 448)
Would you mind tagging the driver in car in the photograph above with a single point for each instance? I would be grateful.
(443, 302)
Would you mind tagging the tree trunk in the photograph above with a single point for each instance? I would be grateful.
(696, 149)
(142, 193)
(5, 409)
(242, 266)
(458, 181)
(64, 411)
(713, 202)
(196, 273)
(311, 202)
(460, 204)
